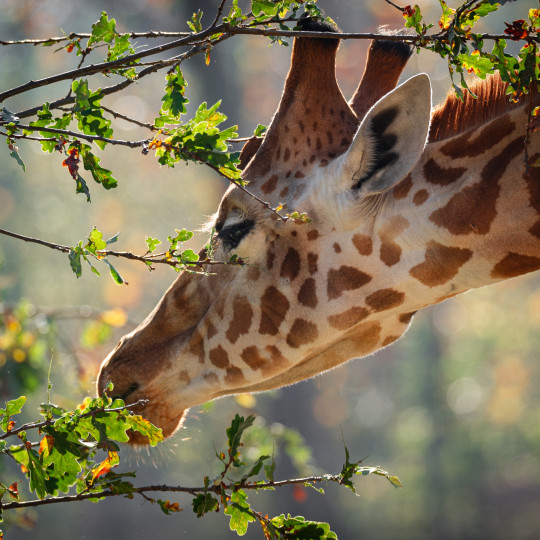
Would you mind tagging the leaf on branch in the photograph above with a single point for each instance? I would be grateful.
(204, 503)
(234, 434)
(15, 154)
(298, 527)
(103, 30)
(517, 30)
(105, 466)
(115, 275)
(168, 507)
(152, 243)
(101, 175)
(240, 512)
(195, 23)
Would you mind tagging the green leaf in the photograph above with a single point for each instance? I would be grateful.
(188, 256)
(260, 130)
(266, 7)
(114, 273)
(181, 236)
(255, 469)
(195, 23)
(95, 241)
(15, 406)
(16, 156)
(75, 260)
(235, 432)
(99, 174)
(240, 512)
(204, 503)
(297, 527)
(152, 243)
(103, 30)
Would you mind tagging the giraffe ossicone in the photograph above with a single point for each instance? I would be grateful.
(396, 225)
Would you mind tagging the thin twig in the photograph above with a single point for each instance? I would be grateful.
(127, 255)
(395, 5)
(78, 35)
(219, 12)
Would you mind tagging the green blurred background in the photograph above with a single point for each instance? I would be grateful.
(452, 408)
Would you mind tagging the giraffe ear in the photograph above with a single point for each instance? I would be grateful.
(390, 139)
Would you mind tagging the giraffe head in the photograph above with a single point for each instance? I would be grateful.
(312, 295)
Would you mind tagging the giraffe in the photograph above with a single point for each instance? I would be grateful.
(396, 225)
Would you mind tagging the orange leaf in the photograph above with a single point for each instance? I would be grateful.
(10, 426)
(105, 466)
(13, 490)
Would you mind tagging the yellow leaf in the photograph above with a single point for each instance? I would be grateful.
(46, 445)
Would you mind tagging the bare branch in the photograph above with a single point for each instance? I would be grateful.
(78, 35)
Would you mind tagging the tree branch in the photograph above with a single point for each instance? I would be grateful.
(161, 258)
(174, 489)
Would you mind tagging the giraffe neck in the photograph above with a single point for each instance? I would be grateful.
(467, 215)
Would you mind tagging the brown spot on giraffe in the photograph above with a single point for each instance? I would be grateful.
(366, 337)
(211, 378)
(350, 317)
(390, 251)
(253, 273)
(363, 244)
(250, 355)
(211, 330)
(515, 264)
(313, 234)
(405, 318)
(441, 264)
(533, 187)
(234, 376)
(274, 307)
(312, 263)
(488, 137)
(473, 209)
(385, 299)
(337, 247)
(307, 295)
(345, 278)
(402, 189)
(299, 174)
(420, 197)
(388, 340)
(270, 258)
(301, 333)
(196, 345)
(284, 191)
(219, 357)
(441, 176)
(241, 321)
(291, 264)
(270, 185)
(184, 377)
(330, 137)
(286, 155)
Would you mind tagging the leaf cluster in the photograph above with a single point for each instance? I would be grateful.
(465, 50)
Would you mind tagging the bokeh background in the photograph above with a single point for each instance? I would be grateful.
(453, 408)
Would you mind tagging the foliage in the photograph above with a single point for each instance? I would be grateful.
(465, 50)
(77, 450)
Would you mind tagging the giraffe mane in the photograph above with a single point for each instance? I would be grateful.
(454, 116)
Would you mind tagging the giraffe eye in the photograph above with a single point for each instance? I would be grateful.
(232, 235)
